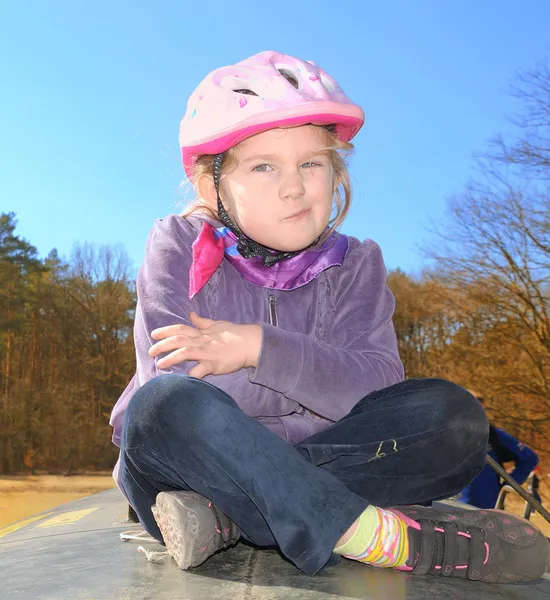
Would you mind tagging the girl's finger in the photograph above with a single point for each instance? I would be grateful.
(181, 355)
(201, 322)
(171, 330)
(204, 368)
(177, 341)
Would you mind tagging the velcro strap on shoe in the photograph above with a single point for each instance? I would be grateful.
(427, 548)
(477, 553)
(450, 551)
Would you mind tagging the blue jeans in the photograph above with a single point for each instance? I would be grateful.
(417, 441)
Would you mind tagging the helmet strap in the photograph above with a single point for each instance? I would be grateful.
(246, 247)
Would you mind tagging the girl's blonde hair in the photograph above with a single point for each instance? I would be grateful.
(338, 150)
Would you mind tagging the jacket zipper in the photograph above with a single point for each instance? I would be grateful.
(273, 319)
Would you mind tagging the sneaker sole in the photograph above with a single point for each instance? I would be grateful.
(188, 527)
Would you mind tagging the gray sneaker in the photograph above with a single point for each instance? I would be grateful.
(192, 527)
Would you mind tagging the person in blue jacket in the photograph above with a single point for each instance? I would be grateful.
(504, 448)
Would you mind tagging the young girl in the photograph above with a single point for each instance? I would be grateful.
(269, 399)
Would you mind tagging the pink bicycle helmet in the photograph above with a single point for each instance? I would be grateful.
(264, 91)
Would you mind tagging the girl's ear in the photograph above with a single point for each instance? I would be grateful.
(207, 191)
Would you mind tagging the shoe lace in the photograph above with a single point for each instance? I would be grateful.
(140, 535)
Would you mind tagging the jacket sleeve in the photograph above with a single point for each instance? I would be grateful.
(525, 459)
(358, 355)
(162, 287)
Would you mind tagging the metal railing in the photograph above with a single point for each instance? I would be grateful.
(512, 486)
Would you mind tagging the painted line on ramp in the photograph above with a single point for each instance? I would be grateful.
(66, 518)
(20, 524)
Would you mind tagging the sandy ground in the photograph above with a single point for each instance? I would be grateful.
(23, 496)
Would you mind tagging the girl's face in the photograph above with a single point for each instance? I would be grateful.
(280, 192)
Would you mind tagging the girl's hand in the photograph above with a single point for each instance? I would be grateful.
(219, 347)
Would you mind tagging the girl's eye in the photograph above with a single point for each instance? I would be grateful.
(311, 164)
(263, 168)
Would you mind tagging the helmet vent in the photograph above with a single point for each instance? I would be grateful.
(290, 77)
(246, 92)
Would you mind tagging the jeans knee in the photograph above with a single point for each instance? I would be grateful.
(461, 412)
(171, 406)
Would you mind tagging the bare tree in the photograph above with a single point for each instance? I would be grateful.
(530, 148)
(492, 253)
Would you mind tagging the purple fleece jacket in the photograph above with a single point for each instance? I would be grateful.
(326, 318)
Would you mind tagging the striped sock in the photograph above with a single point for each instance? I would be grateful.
(381, 539)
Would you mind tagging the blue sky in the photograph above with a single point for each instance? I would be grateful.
(91, 95)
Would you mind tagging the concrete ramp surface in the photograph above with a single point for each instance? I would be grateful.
(75, 553)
